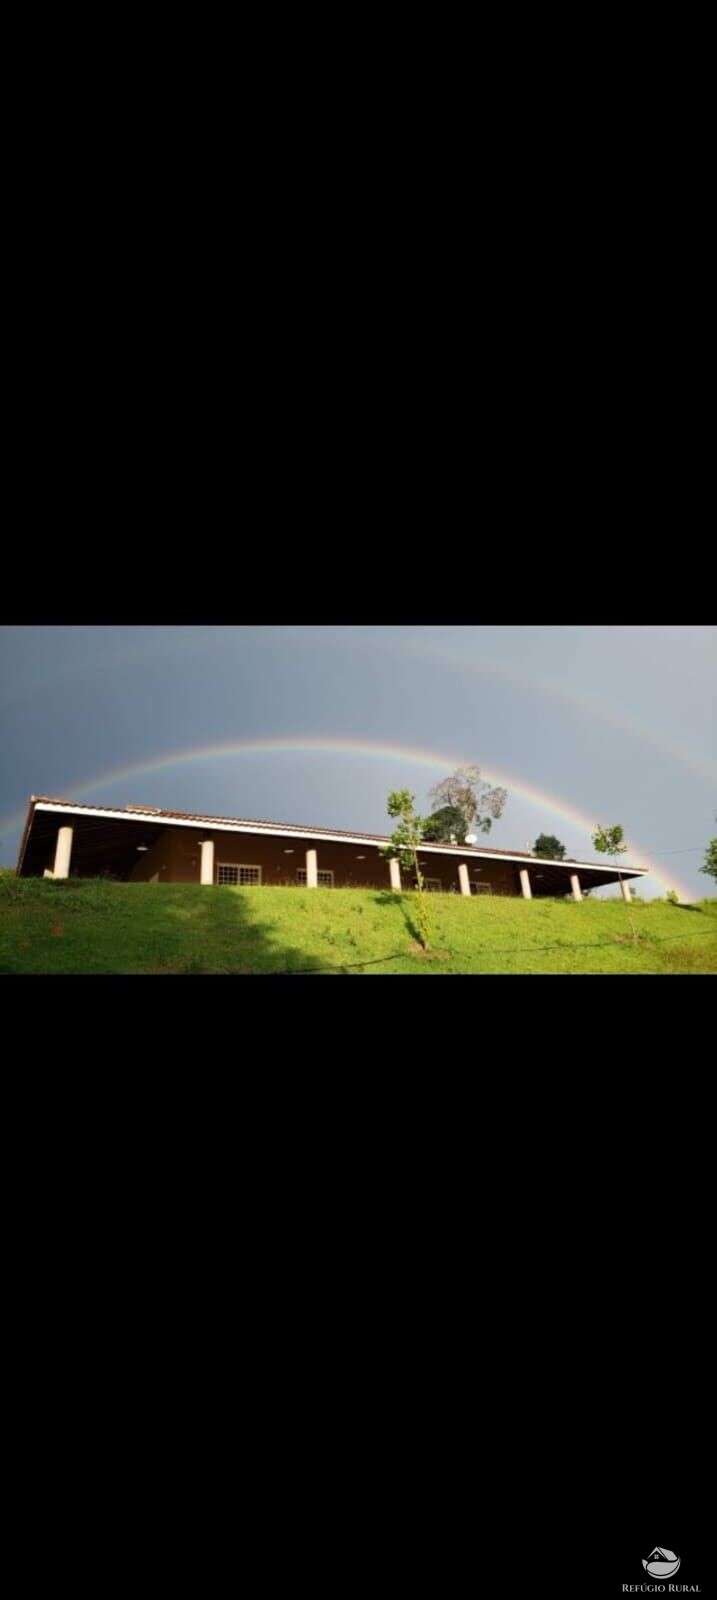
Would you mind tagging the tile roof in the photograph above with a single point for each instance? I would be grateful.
(255, 821)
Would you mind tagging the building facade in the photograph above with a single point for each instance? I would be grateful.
(134, 844)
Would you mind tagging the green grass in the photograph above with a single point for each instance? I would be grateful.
(90, 925)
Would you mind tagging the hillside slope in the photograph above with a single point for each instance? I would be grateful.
(95, 926)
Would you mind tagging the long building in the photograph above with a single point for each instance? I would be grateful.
(143, 844)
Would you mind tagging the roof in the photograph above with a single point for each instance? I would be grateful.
(155, 814)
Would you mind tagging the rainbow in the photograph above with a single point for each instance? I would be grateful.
(435, 760)
(621, 721)
(428, 650)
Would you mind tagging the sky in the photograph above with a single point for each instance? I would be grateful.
(581, 725)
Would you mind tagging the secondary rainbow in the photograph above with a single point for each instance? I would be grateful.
(429, 651)
(161, 644)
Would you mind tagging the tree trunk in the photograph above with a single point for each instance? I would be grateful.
(422, 917)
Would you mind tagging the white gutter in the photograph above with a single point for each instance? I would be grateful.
(272, 831)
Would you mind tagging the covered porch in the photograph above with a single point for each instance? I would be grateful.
(141, 845)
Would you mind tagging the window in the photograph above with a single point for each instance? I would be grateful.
(325, 879)
(237, 875)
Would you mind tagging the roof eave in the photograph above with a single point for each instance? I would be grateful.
(276, 831)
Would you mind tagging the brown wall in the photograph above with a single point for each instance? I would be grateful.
(278, 867)
(157, 859)
(503, 876)
(177, 858)
(186, 854)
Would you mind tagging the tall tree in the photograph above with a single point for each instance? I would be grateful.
(404, 846)
(710, 865)
(549, 848)
(478, 802)
(446, 826)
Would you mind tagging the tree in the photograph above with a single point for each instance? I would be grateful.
(710, 866)
(404, 846)
(549, 848)
(477, 802)
(609, 842)
(446, 826)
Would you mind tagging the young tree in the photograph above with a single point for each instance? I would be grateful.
(549, 848)
(609, 842)
(405, 843)
(710, 866)
(475, 799)
(446, 826)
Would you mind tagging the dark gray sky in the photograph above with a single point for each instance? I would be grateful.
(582, 725)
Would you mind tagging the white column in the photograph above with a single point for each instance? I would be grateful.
(63, 853)
(206, 874)
(312, 870)
(575, 886)
(625, 890)
(525, 884)
(395, 871)
(463, 878)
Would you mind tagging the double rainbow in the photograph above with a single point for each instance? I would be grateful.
(439, 762)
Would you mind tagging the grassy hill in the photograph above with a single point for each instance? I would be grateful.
(85, 925)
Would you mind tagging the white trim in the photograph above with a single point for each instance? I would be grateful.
(239, 866)
(272, 831)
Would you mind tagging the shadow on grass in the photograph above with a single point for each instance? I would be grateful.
(259, 950)
(85, 926)
(386, 898)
